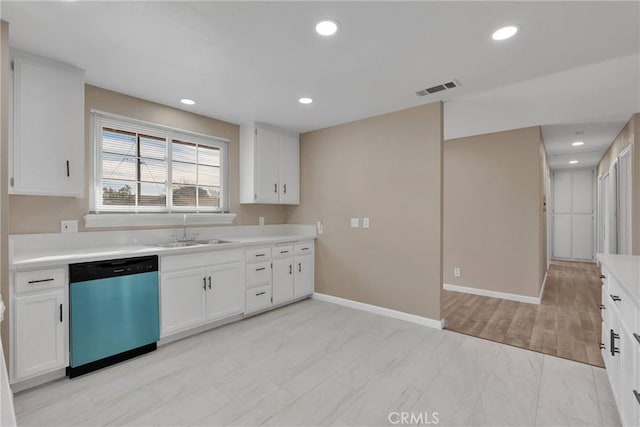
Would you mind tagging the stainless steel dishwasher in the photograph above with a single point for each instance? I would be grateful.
(114, 311)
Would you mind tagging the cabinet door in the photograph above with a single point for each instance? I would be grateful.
(282, 280)
(628, 401)
(225, 291)
(48, 128)
(266, 160)
(182, 300)
(41, 321)
(289, 169)
(303, 276)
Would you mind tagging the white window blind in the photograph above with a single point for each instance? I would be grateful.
(142, 167)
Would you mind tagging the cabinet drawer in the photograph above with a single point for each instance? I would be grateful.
(282, 252)
(624, 303)
(40, 279)
(258, 298)
(258, 254)
(259, 274)
(304, 248)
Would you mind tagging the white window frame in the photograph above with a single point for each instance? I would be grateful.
(101, 216)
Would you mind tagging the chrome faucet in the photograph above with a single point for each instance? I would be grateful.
(184, 227)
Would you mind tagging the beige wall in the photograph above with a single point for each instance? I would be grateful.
(493, 211)
(35, 214)
(387, 168)
(628, 136)
(4, 144)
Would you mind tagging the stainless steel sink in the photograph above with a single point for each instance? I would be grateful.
(187, 243)
(214, 242)
(177, 244)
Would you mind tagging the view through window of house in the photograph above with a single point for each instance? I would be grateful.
(155, 172)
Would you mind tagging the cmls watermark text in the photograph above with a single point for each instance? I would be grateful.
(413, 418)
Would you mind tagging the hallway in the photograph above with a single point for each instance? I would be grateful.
(566, 323)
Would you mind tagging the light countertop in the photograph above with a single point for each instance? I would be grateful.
(95, 246)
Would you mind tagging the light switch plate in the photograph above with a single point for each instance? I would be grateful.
(320, 227)
(69, 226)
(365, 222)
(355, 222)
(456, 272)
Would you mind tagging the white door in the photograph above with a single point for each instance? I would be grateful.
(573, 214)
(225, 291)
(624, 202)
(303, 276)
(40, 333)
(267, 157)
(289, 165)
(182, 300)
(282, 280)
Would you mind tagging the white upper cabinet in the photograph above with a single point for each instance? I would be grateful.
(269, 165)
(47, 127)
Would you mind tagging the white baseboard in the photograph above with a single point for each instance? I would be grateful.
(493, 294)
(395, 314)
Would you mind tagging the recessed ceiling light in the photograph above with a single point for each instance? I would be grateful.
(505, 33)
(573, 162)
(305, 100)
(187, 101)
(327, 27)
(575, 144)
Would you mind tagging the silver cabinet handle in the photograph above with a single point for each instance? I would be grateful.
(275, 187)
(204, 279)
(615, 297)
(602, 307)
(209, 282)
(31, 282)
(614, 337)
(60, 313)
(261, 293)
(68, 172)
(260, 269)
(299, 267)
(637, 395)
(284, 252)
(290, 269)
(285, 188)
(602, 276)
(602, 346)
(257, 255)
(304, 249)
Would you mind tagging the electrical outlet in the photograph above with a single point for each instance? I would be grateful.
(261, 220)
(365, 222)
(69, 226)
(355, 222)
(456, 272)
(320, 227)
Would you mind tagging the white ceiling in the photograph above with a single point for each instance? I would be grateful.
(242, 61)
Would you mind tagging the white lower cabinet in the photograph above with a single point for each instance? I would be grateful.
(40, 333)
(40, 313)
(282, 280)
(303, 276)
(201, 293)
(224, 291)
(182, 301)
(621, 335)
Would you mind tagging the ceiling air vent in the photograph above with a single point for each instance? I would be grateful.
(438, 88)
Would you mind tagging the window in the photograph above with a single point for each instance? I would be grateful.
(143, 167)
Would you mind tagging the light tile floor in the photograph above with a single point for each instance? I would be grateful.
(316, 363)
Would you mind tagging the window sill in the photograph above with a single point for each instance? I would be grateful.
(156, 219)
